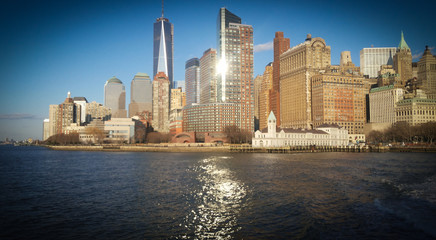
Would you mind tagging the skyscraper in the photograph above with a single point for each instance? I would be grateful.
(281, 44)
(427, 73)
(208, 93)
(163, 48)
(161, 102)
(141, 91)
(403, 60)
(115, 97)
(371, 59)
(235, 66)
(192, 81)
(298, 65)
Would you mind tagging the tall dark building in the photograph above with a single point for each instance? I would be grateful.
(163, 48)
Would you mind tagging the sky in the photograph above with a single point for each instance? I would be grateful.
(51, 47)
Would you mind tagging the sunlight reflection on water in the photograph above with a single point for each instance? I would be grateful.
(217, 201)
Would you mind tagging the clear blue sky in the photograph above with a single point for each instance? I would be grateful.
(51, 47)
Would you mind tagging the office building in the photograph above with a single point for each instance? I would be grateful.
(257, 90)
(82, 102)
(416, 110)
(427, 73)
(235, 66)
(403, 60)
(63, 115)
(281, 45)
(265, 96)
(297, 65)
(208, 78)
(382, 103)
(192, 81)
(46, 129)
(180, 84)
(339, 98)
(176, 110)
(371, 59)
(141, 91)
(163, 48)
(120, 130)
(387, 76)
(115, 97)
(161, 102)
(96, 110)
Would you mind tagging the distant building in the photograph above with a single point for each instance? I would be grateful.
(67, 113)
(209, 118)
(46, 129)
(161, 102)
(96, 110)
(387, 76)
(82, 102)
(324, 135)
(371, 59)
(115, 97)
(176, 111)
(192, 81)
(265, 96)
(427, 73)
(141, 91)
(163, 48)
(257, 90)
(281, 45)
(297, 65)
(383, 102)
(120, 130)
(339, 98)
(208, 78)
(403, 60)
(179, 84)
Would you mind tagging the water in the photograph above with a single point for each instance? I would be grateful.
(48, 194)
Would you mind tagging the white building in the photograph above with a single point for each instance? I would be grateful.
(372, 58)
(120, 130)
(324, 135)
(382, 103)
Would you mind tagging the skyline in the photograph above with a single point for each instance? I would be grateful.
(52, 48)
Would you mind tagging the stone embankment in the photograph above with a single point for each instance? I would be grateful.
(245, 148)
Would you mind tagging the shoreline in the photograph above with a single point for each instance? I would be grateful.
(198, 148)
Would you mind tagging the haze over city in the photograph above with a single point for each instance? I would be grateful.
(50, 48)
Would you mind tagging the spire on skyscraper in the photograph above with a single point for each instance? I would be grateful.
(403, 44)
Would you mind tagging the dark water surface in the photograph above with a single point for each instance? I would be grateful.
(116, 195)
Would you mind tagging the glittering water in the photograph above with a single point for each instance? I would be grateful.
(48, 194)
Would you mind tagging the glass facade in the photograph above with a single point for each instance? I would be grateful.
(192, 80)
(163, 48)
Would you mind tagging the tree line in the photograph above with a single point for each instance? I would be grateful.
(404, 132)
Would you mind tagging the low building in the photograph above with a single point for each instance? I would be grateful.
(416, 110)
(120, 130)
(324, 135)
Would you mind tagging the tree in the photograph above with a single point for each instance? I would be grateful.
(97, 134)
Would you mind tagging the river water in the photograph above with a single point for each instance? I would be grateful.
(49, 194)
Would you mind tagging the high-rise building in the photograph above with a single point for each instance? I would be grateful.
(163, 48)
(403, 60)
(141, 91)
(179, 84)
(265, 96)
(63, 115)
(281, 44)
(46, 129)
(382, 103)
(427, 73)
(161, 102)
(257, 90)
(176, 110)
(235, 66)
(192, 81)
(96, 110)
(372, 58)
(339, 98)
(115, 97)
(208, 84)
(82, 102)
(297, 65)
